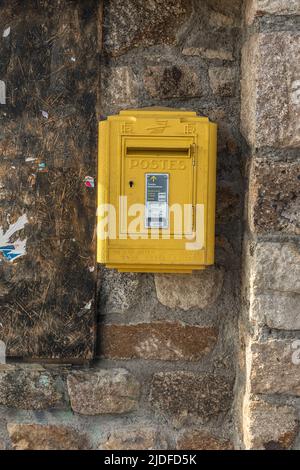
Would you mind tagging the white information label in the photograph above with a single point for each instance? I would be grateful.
(157, 199)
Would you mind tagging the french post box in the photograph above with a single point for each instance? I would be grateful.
(156, 191)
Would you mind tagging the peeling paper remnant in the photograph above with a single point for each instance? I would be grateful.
(45, 114)
(13, 250)
(88, 306)
(6, 32)
(2, 92)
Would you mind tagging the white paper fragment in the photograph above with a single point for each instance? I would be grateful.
(13, 250)
(19, 225)
(88, 305)
(30, 159)
(45, 114)
(73, 59)
(2, 92)
(92, 269)
(6, 32)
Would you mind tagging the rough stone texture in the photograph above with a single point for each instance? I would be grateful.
(182, 396)
(161, 340)
(272, 367)
(201, 440)
(32, 387)
(197, 290)
(104, 391)
(218, 20)
(275, 267)
(228, 203)
(274, 197)
(276, 310)
(133, 438)
(45, 437)
(139, 24)
(208, 36)
(118, 291)
(248, 88)
(274, 292)
(271, 90)
(222, 80)
(226, 7)
(172, 82)
(119, 88)
(211, 26)
(257, 8)
(208, 53)
(268, 426)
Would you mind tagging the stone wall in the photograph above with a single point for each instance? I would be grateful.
(186, 361)
(271, 319)
(177, 333)
(165, 372)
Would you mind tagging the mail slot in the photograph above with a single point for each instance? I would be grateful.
(156, 191)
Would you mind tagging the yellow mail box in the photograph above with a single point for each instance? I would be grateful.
(156, 191)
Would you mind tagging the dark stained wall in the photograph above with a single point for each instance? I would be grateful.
(48, 145)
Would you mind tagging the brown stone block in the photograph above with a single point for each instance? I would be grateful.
(45, 437)
(172, 82)
(270, 90)
(201, 440)
(32, 387)
(274, 197)
(222, 80)
(275, 366)
(198, 290)
(142, 437)
(268, 426)
(183, 396)
(103, 391)
(161, 340)
(275, 266)
(276, 309)
(137, 23)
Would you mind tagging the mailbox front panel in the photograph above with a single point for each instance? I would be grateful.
(174, 163)
(157, 171)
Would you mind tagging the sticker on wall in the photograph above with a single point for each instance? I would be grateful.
(89, 182)
(13, 250)
(42, 167)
